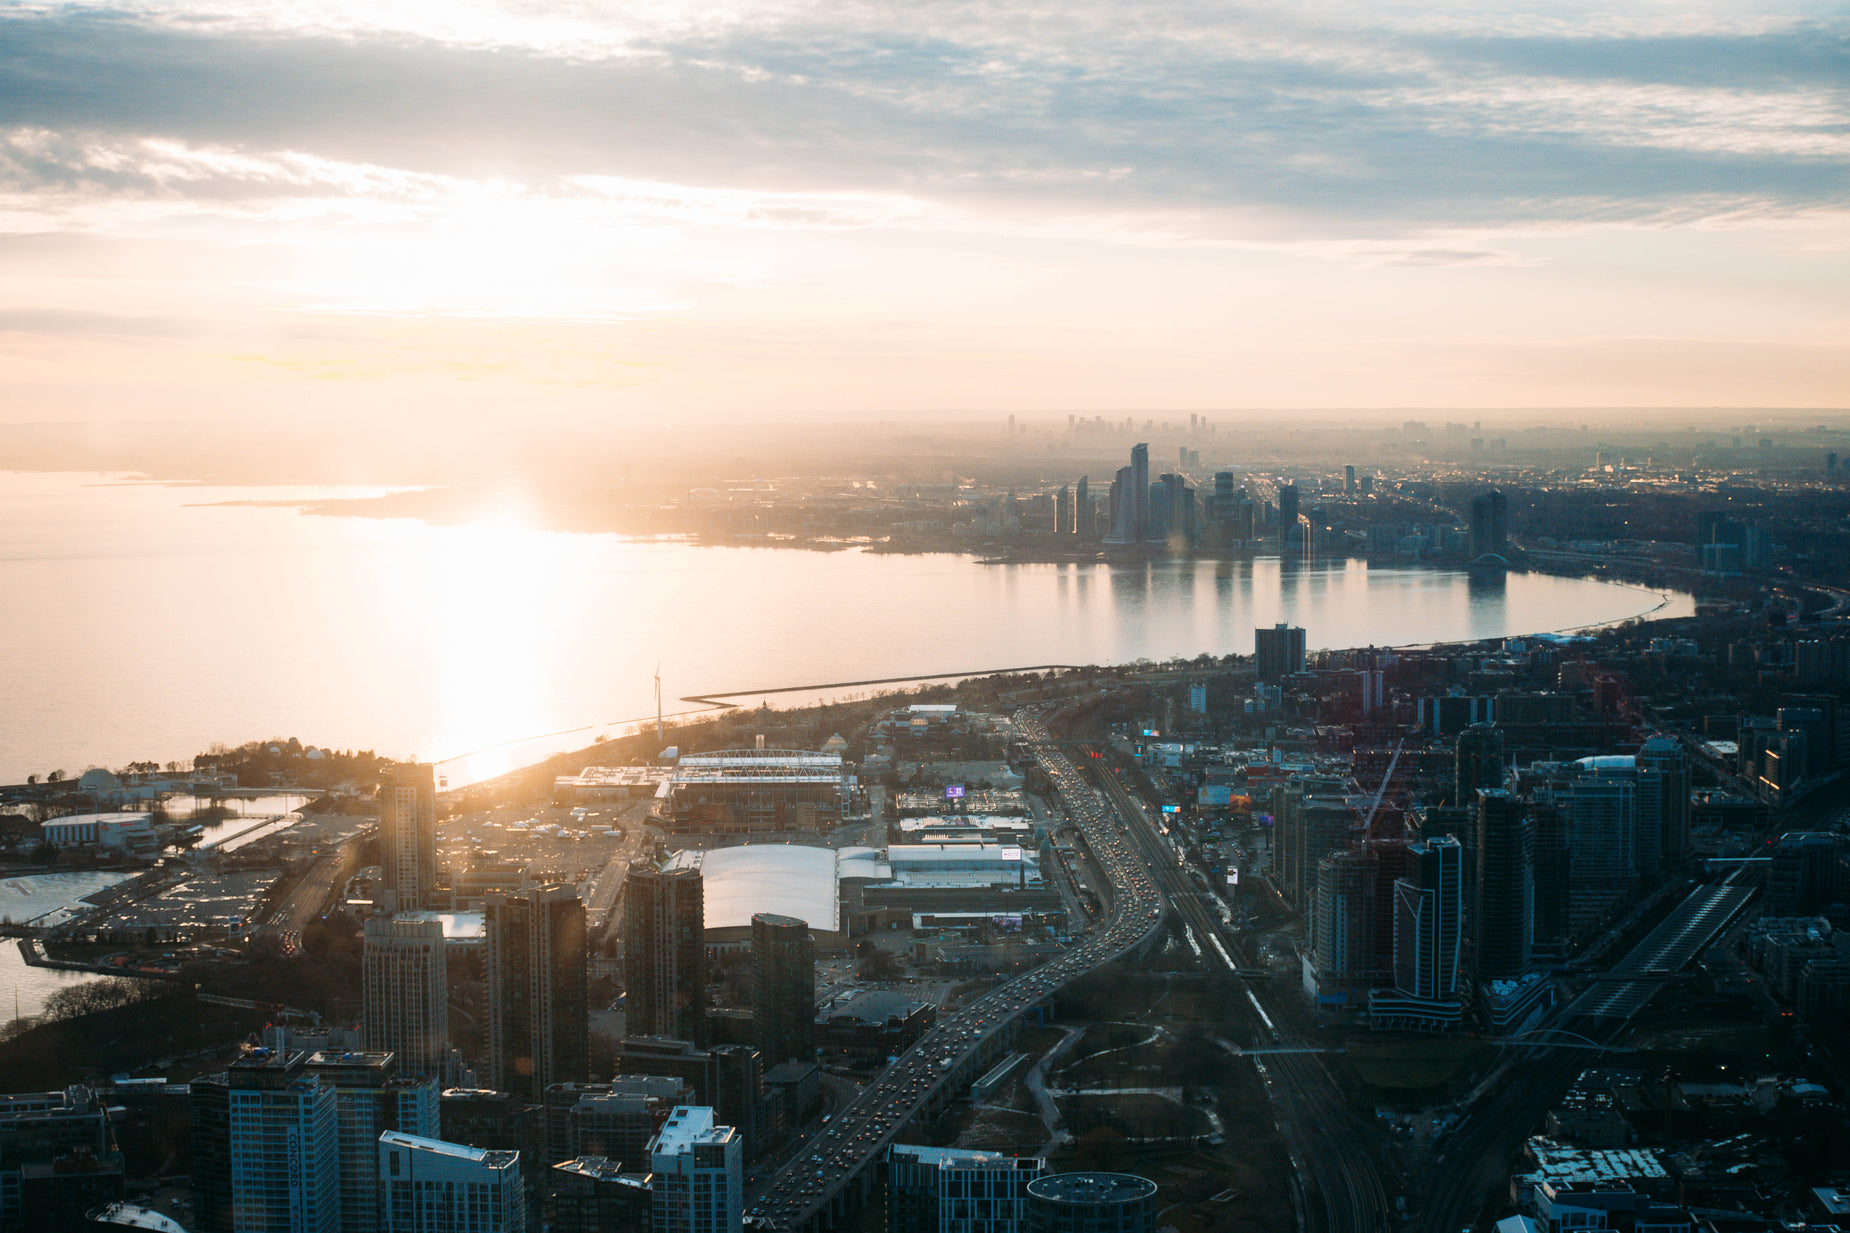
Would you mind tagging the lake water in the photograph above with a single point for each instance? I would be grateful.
(45, 898)
(149, 621)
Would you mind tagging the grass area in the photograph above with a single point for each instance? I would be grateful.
(1417, 1063)
(1135, 1115)
(997, 1130)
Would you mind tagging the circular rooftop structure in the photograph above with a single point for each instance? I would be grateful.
(1091, 1203)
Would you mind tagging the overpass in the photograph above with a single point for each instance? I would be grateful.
(826, 1178)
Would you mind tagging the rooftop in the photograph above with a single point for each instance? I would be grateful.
(794, 880)
(615, 777)
(603, 1169)
(686, 1127)
(454, 1151)
(1092, 1188)
(762, 765)
(1561, 1163)
(963, 1157)
(129, 1216)
(457, 926)
(876, 1006)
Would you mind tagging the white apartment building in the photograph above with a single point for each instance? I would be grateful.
(699, 1172)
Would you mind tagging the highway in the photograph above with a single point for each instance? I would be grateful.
(807, 1193)
(303, 904)
(1341, 1185)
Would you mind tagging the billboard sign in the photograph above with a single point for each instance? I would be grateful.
(953, 792)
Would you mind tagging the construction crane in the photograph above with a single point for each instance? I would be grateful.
(274, 1009)
(1368, 823)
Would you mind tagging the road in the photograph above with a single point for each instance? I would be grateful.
(1341, 1185)
(802, 1195)
(305, 902)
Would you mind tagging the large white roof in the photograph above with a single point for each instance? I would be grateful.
(787, 879)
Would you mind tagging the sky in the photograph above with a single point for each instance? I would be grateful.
(483, 211)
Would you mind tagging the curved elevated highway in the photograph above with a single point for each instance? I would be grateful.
(826, 1177)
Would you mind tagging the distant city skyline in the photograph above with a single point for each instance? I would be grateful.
(406, 216)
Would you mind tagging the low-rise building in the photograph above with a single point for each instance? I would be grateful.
(129, 833)
(955, 1190)
(872, 1023)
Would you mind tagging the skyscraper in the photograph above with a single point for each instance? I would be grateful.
(1428, 907)
(405, 993)
(1287, 514)
(538, 1011)
(1123, 510)
(699, 1169)
(1607, 805)
(1083, 524)
(1504, 916)
(783, 988)
(1063, 511)
(1278, 652)
(1665, 755)
(266, 1149)
(1343, 935)
(369, 1099)
(665, 953)
(408, 835)
(1140, 492)
(1226, 498)
(1805, 873)
(1489, 524)
(1479, 763)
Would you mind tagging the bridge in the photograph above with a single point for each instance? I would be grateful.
(826, 1178)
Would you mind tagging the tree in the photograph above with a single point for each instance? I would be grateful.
(1097, 1150)
(881, 965)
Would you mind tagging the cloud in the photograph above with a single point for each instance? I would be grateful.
(51, 321)
(1397, 122)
